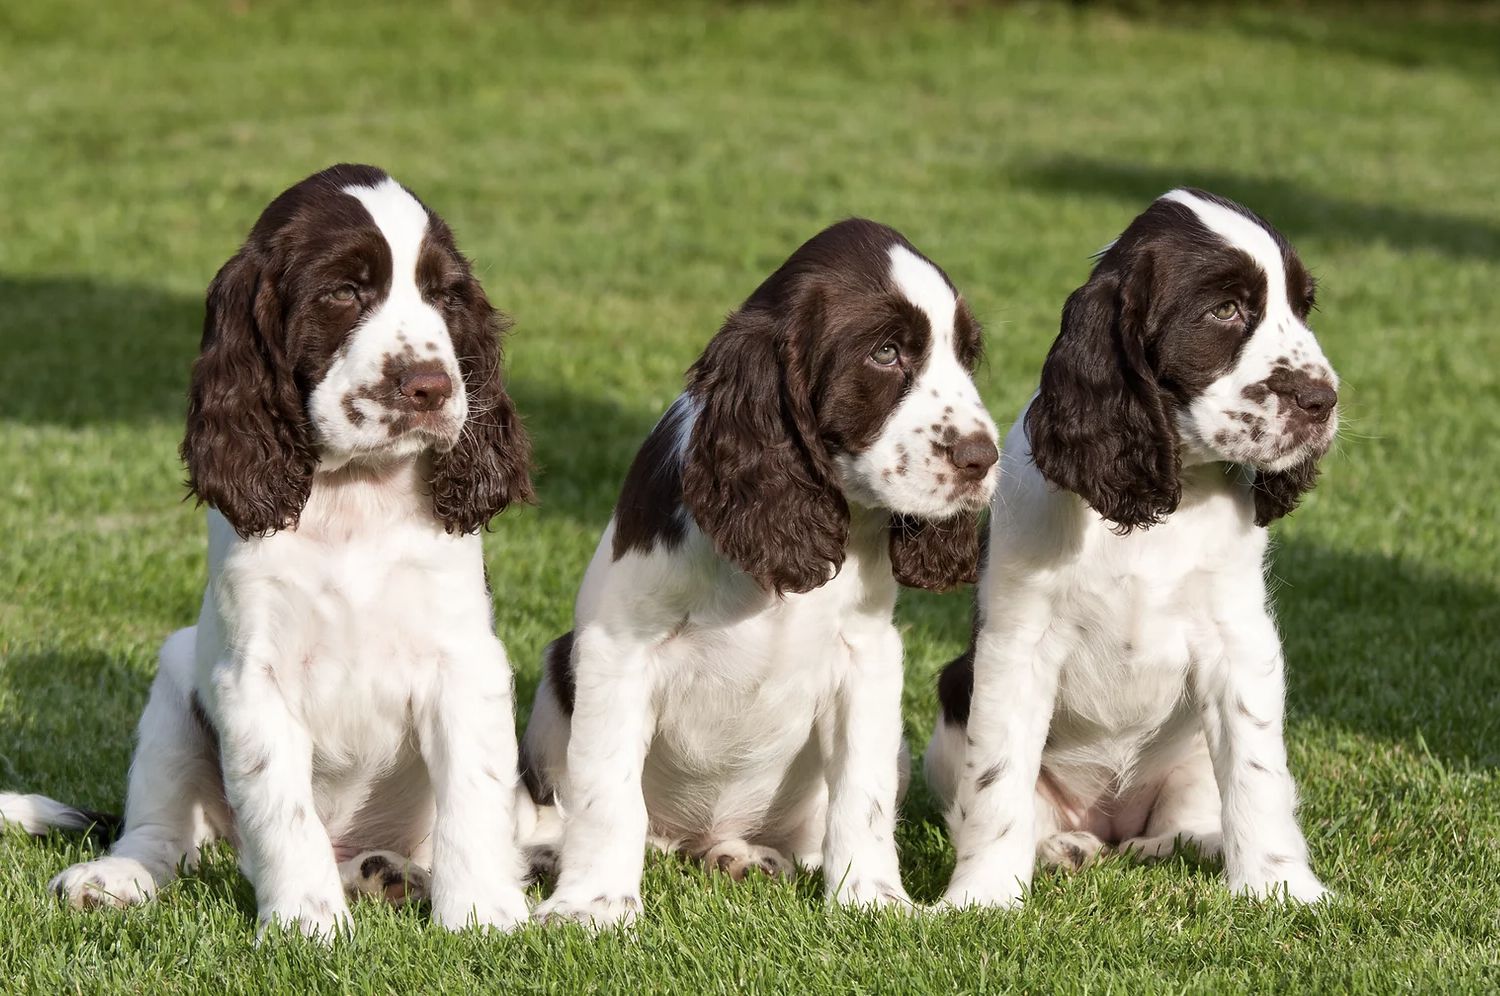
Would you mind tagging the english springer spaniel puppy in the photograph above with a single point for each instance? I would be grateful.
(1125, 685)
(342, 706)
(732, 684)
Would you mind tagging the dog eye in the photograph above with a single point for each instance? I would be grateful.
(1228, 311)
(344, 294)
(886, 355)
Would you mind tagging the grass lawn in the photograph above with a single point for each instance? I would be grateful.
(623, 178)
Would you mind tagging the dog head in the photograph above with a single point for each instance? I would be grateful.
(1189, 343)
(845, 378)
(349, 329)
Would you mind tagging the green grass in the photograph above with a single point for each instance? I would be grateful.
(623, 177)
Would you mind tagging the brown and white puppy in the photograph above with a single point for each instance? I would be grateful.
(343, 692)
(732, 685)
(1125, 684)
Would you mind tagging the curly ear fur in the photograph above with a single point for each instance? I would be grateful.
(248, 449)
(757, 479)
(936, 555)
(1100, 425)
(1277, 494)
(490, 465)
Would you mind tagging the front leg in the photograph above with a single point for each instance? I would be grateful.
(468, 740)
(993, 816)
(605, 822)
(266, 755)
(1241, 697)
(860, 736)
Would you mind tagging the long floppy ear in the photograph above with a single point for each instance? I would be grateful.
(490, 465)
(248, 450)
(936, 555)
(757, 479)
(1099, 426)
(1277, 494)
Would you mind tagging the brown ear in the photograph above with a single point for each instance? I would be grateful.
(757, 479)
(1099, 426)
(490, 465)
(1277, 494)
(248, 449)
(936, 555)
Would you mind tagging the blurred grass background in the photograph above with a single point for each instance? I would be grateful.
(624, 175)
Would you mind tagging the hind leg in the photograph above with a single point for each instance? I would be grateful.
(175, 801)
(1187, 810)
(385, 875)
(738, 858)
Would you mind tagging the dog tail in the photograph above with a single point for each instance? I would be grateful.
(37, 815)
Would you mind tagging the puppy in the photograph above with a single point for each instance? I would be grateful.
(1125, 682)
(732, 686)
(343, 698)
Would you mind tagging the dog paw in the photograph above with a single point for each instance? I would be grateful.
(321, 918)
(1286, 881)
(871, 894)
(505, 911)
(1209, 845)
(1072, 851)
(737, 858)
(599, 912)
(541, 863)
(385, 875)
(104, 882)
(1000, 892)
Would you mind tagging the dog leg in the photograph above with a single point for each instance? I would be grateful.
(862, 749)
(604, 842)
(469, 742)
(1241, 695)
(1187, 811)
(175, 799)
(994, 814)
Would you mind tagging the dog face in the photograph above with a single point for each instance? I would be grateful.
(350, 329)
(898, 408)
(1272, 401)
(1189, 342)
(845, 378)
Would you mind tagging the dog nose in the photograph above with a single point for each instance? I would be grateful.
(426, 390)
(974, 455)
(1317, 399)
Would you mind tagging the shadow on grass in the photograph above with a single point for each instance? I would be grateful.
(1450, 38)
(1296, 211)
(79, 351)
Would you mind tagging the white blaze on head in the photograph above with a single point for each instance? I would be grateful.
(925, 287)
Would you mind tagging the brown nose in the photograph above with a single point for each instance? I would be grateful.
(426, 390)
(1317, 398)
(973, 455)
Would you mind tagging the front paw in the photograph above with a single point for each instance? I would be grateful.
(1284, 882)
(599, 911)
(107, 881)
(321, 918)
(870, 894)
(505, 910)
(993, 891)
